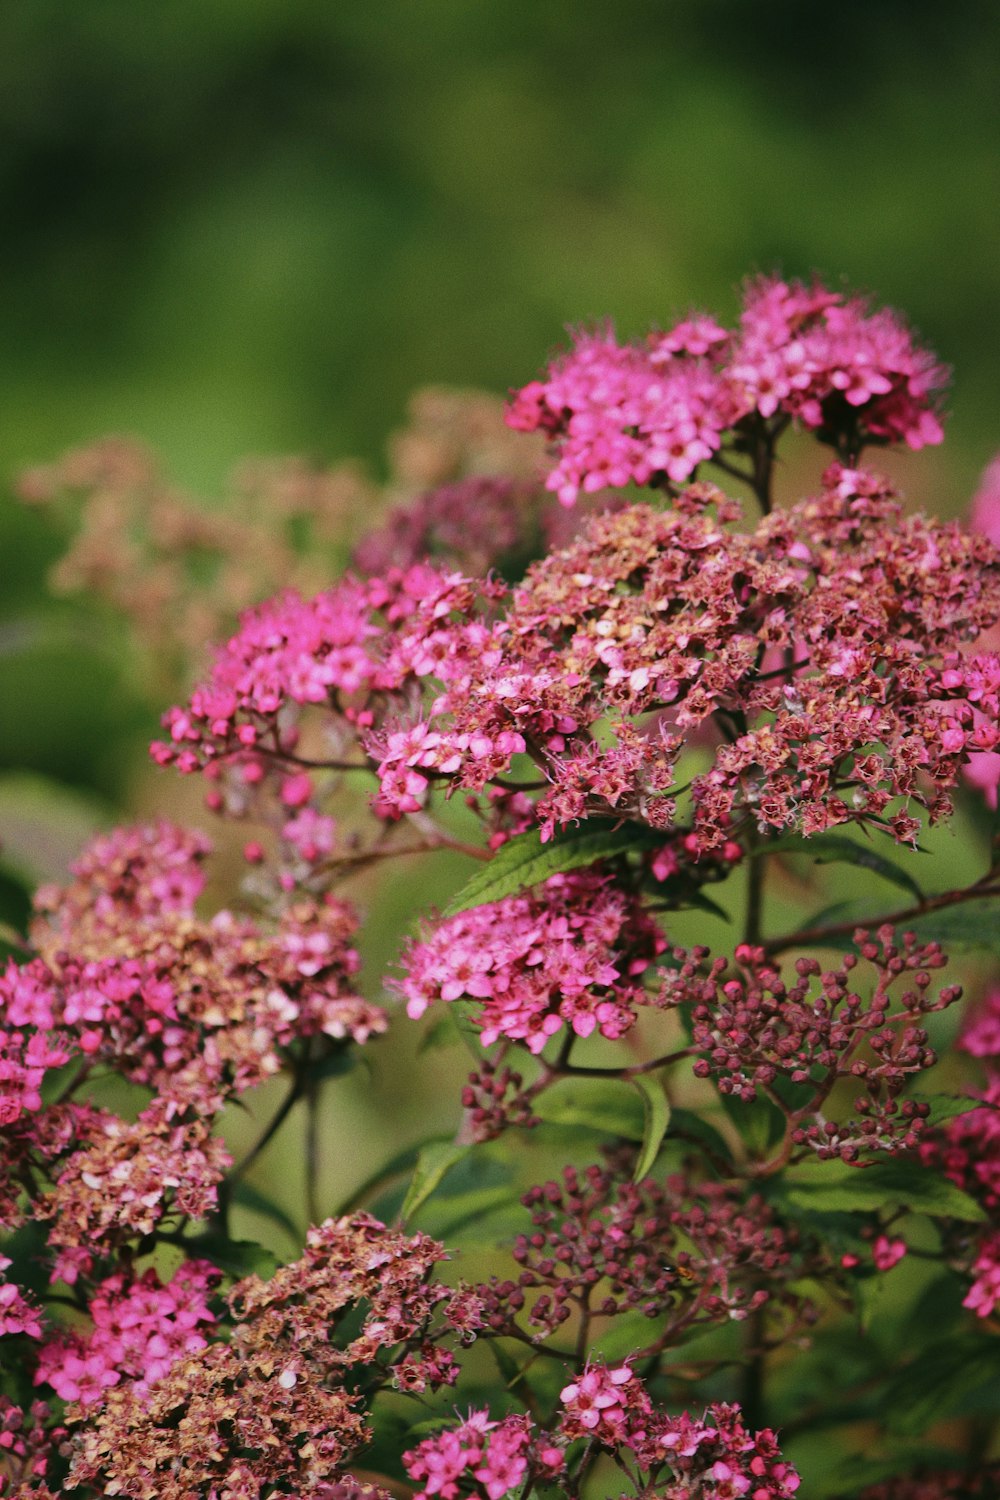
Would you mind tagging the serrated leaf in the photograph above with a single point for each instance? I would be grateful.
(433, 1162)
(442, 1032)
(446, 1219)
(836, 1187)
(625, 1333)
(686, 1125)
(940, 1380)
(608, 1106)
(656, 1118)
(510, 1371)
(836, 848)
(245, 1195)
(524, 861)
(959, 929)
(237, 1258)
(944, 1107)
(696, 900)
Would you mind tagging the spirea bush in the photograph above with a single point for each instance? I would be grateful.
(735, 1150)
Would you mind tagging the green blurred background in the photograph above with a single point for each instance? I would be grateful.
(239, 226)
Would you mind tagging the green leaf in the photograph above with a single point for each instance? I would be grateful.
(625, 1333)
(959, 929)
(433, 1161)
(525, 861)
(656, 1118)
(510, 1370)
(696, 900)
(249, 1197)
(836, 1187)
(342, 1059)
(941, 1381)
(403, 1161)
(608, 1106)
(852, 1475)
(945, 1106)
(455, 1024)
(759, 1121)
(446, 1218)
(836, 848)
(686, 1125)
(237, 1258)
(442, 1032)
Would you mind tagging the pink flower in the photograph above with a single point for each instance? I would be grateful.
(887, 1253)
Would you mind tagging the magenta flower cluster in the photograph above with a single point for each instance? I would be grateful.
(572, 953)
(630, 413)
(634, 714)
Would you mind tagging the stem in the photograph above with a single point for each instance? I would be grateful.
(312, 1152)
(288, 1103)
(755, 898)
(752, 1395)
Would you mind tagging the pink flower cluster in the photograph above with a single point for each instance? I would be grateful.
(750, 1031)
(29, 1449)
(715, 1458)
(604, 1404)
(275, 1408)
(630, 413)
(570, 953)
(651, 631)
(473, 525)
(195, 1008)
(481, 1457)
(140, 1329)
(340, 650)
(24, 1061)
(18, 1314)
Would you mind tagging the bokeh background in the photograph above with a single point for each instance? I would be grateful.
(239, 227)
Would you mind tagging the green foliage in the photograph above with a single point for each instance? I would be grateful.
(834, 1186)
(832, 848)
(524, 861)
(656, 1120)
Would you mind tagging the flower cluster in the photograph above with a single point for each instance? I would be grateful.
(29, 1449)
(494, 1099)
(714, 1458)
(571, 953)
(272, 1407)
(194, 1008)
(126, 1180)
(474, 525)
(750, 1031)
(24, 1060)
(601, 1245)
(18, 1313)
(140, 1329)
(629, 413)
(481, 1457)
